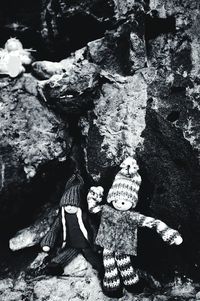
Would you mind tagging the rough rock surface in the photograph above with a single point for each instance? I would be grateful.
(80, 282)
(174, 91)
(33, 234)
(73, 91)
(31, 136)
(114, 128)
(133, 86)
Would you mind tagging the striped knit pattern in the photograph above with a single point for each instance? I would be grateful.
(129, 276)
(111, 279)
(125, 188)
(66, 256)
(50, 238)
(168, 234)
(72, 194)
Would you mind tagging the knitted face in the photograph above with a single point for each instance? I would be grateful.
(122, 205)
(71, 209)
(13, 44)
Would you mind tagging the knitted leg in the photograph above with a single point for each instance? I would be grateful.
(129, 276)
(66, 256)
(56, 266)
(111, 282)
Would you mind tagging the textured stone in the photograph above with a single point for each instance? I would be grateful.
(169, 190)
(78, 267)
(185, 290)
(45, 69)
(73, 91)
(31, 136)
(32, 235)
(114, 127)
(176, 56)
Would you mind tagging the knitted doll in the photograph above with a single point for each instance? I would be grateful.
(74, 227)
(14, 58)
(117, 234)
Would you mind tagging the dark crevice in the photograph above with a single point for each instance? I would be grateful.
(74, 33)
(45, 187)
(175, 90)
(155, 26)
(173, 116)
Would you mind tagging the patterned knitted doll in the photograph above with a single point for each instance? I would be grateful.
(117, 234)
(75, 230)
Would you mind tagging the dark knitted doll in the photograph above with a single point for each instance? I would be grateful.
(75, 230)
(117, 233)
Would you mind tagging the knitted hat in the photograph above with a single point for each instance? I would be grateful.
(126, 184)
(72, 194)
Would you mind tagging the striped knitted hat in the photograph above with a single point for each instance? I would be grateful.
(126, 184)
(72, 194)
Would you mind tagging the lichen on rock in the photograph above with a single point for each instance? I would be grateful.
(118, 120)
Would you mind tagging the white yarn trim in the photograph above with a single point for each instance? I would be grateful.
(81, 225)
(64, 224)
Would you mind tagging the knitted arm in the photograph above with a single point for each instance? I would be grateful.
(168, 234)
(94, 199)
(50, 238)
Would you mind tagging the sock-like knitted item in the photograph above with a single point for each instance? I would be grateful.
(50, 238)
(129, 276)
(65, 257)
(111, 281)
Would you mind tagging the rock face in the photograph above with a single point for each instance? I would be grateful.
(131, 88)
(31, 136)
(144, 101)
(33, 234)
(116, 124)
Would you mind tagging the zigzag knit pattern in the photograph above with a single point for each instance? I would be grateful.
(168, 234)
(125, 188)
(111, 279)
(129, 276)
(114, 265)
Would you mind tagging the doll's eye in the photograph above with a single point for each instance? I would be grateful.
(122, 203)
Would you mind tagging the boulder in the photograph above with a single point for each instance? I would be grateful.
(33, 234)
(31, 137)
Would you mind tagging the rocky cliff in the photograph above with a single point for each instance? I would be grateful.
(119, 78)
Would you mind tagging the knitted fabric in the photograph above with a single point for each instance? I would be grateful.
(118, 230)
(117, 265)
(129, 276)
(65, 257)
(111, 279)
(50, 238)
(125, 188)
(168, 234)
(72, 194)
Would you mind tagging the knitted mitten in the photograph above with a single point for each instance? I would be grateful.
(94, 198)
